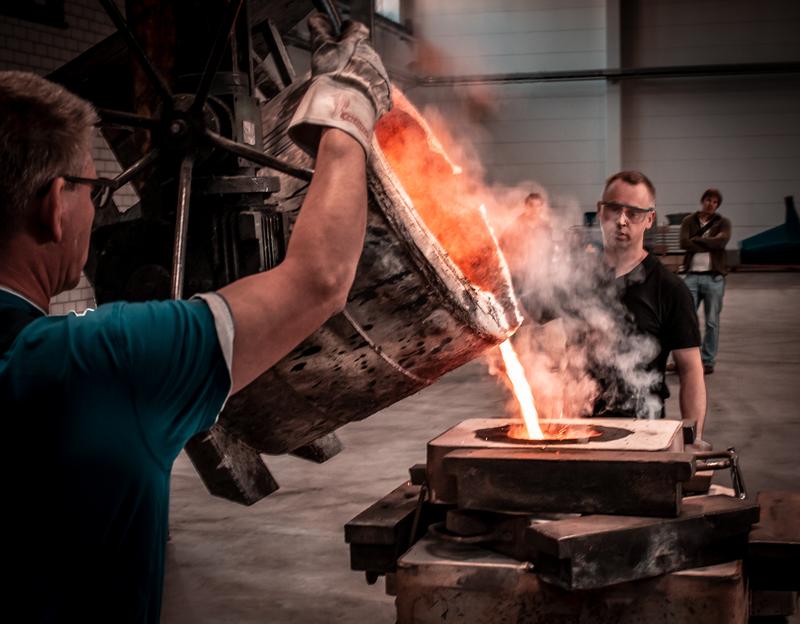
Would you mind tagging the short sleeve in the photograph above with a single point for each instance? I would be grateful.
(681, 328)
(177, 374)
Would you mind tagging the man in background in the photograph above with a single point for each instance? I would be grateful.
(704, 235)
(527, 247)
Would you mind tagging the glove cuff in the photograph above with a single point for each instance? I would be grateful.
(330, 103)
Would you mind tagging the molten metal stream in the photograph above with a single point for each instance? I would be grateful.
(522, 391)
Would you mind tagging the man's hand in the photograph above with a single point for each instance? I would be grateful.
(698, 446)
(693, 387)
(349, 87)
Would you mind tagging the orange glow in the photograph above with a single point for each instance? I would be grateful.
(452, 202)
(522, 392)
(445, 197)
(555, 431)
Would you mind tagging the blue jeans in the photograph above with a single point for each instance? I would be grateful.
(708, 288)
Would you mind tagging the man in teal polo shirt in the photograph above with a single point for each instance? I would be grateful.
(96, 407)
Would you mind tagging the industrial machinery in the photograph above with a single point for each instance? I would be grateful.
(606, 520)
(195, 99)
(595, 524)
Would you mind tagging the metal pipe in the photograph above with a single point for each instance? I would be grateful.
(243, 151)
(272, 37)
(126, 120)
(675, 71)
(136, 168)
(181, 225)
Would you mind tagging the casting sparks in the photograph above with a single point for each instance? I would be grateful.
(522, 390)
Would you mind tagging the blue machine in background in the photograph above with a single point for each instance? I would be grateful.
(778, 245)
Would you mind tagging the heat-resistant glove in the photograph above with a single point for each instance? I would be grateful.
(349, 87)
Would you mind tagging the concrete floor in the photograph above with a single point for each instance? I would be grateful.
(285, 560)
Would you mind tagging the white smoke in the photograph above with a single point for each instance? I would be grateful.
(579, 344)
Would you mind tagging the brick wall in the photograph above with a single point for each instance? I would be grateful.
(29, 46)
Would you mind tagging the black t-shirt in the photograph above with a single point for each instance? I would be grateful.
(660, 305)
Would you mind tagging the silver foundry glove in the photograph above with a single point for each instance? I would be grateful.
(349, 87)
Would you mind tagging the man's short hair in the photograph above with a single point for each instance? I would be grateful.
(532, 197)
(45, 132)
(712, 192)
(633, 178)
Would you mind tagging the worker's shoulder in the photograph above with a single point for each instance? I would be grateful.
(112, 327)
(666, 279)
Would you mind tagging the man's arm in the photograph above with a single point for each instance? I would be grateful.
(688, 243)
(275, 310)
(717, 241)
(693, 387)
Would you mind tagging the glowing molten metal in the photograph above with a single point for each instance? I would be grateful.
(442, 194)
(452, 203)
(523, 394)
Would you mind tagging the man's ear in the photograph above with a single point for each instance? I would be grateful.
(651, 220)
(51, 212)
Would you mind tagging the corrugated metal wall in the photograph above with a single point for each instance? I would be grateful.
(739, 134)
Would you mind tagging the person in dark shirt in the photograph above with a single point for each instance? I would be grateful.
(657, 300)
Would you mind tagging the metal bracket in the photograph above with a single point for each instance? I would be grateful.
(724, 460)
(272, 37)
(224, 185)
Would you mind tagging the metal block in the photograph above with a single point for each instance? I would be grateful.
(465, 584)
(597, 551)
(385, 530)
(417, 474)
(628, 435)
(773, 557)
(559, 481)
(229, 468)
(699, 483)
(320, 450)
(386, 522)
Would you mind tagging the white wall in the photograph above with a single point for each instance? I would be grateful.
(552, 133)
(740, 134)
(501, 36)
(687, 32)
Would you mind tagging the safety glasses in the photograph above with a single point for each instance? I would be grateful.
(612, 210)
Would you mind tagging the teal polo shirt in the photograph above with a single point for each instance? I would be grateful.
(96, 407)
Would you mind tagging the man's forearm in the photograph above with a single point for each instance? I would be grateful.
(692, 397)
(710, 243)
(693, 400)
(329, 232)
(273, 311)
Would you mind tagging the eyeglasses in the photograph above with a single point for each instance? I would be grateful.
(102, 189)
(633, 214)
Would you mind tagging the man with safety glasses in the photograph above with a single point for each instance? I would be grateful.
(658, 301)
(96, 407)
